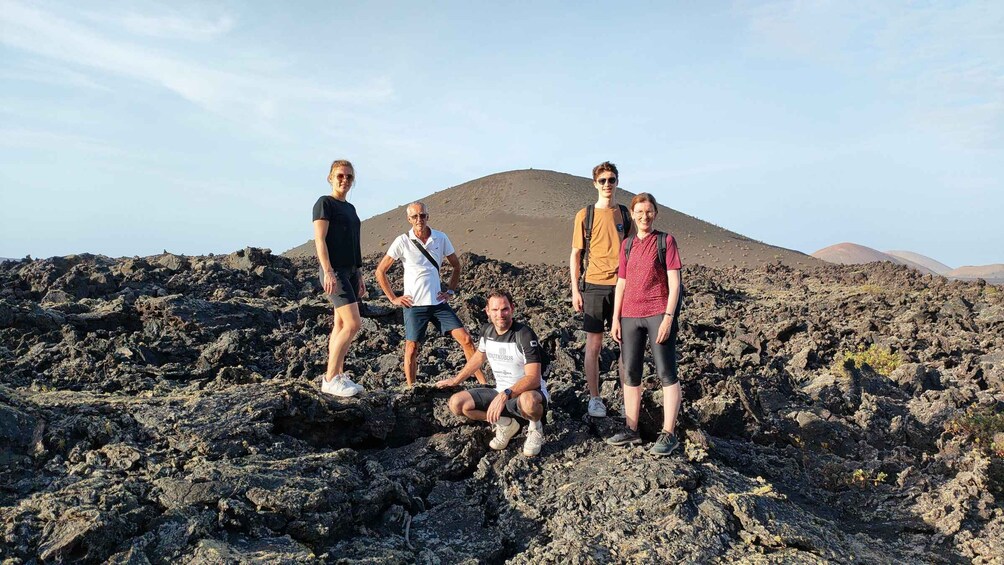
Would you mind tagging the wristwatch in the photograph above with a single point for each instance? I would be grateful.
(508, 393)
(450, 292)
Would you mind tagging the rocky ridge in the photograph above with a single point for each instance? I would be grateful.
(165, 409)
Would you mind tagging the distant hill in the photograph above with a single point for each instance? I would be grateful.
(526, 216)
(936, 266)
(853, 254)
(993, 274)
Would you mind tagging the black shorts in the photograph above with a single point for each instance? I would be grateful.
(597, 306)
(346, 285)
(633, 334)
(483, 397)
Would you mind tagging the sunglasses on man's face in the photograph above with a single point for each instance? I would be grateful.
(340, 176)
(417, 216)
(605, 180)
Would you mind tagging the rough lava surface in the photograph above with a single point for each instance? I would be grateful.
(166, 409)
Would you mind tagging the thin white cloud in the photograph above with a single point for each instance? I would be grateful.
(175, 27)
(22, 138)
(945, 59)
(236, 94)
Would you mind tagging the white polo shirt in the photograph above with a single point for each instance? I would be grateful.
(421, 278)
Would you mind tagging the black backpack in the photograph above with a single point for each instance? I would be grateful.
(587, 232)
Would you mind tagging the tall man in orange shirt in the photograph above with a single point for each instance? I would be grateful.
(600, 243)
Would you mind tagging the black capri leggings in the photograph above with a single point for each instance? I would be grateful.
(633, 333)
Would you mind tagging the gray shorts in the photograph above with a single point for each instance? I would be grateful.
(483, 397)
(346, 285)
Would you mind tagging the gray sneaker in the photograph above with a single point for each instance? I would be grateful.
(596, 407)
(627, 436)
(665, 445)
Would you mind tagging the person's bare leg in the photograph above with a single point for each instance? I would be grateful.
(465, 341)
(531, 405)
(591, 365)
(347, 324)
(671, 400)
(462, 404)
(632, 406)
(410, 361)
(332, 351)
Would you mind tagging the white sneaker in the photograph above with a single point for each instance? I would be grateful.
(534, 441)
(338, 386)
(503, 433)
(596, 407)
(348, 381)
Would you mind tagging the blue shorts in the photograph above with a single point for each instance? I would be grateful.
(417, 318)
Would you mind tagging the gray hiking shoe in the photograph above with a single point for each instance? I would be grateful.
(627, 436)
(665, 445)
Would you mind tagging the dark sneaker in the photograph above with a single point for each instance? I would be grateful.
(627, 436)
(665, 445)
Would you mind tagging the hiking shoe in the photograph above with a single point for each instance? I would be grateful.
(503, 433)
(627, 436)
(339, 386)
(665, 445)
(534, 441)
(597, 408)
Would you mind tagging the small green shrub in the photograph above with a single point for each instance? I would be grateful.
(983, 428)
(880, 359)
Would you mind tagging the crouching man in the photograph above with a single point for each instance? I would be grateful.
(517, 361)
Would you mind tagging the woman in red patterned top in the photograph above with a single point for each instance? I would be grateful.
(646, 305)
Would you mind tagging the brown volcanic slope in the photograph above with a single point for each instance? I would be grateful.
(934, 265)
(854, 254)
(993, 274)
(526, 216)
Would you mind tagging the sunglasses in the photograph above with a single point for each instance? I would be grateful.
(604, 181)
(417, 216)
(340, 176)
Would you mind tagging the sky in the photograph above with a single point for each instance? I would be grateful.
(130, 128)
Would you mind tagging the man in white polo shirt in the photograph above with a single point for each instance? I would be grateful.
(421, 250)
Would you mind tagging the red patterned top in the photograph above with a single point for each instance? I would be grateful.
(646, 286)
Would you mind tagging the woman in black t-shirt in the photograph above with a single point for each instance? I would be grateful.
(336, 238)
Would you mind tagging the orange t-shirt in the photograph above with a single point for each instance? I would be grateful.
(604, 245)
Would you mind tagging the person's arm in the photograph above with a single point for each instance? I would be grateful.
(575, 270)
(321, 246)
(381, 277)
(530, 381)
(472, 366)
(666, 326)
(454, 276)
(615, 323)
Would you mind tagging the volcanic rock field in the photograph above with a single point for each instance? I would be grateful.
(166, 410)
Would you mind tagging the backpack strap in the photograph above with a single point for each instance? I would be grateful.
(423, 250)
(587, 228)
(625, 219)
(661, 239)
(662, 249)
(587, 234)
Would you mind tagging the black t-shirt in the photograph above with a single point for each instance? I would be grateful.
(343, 232)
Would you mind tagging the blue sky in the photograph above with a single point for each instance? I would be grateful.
(127, 128)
